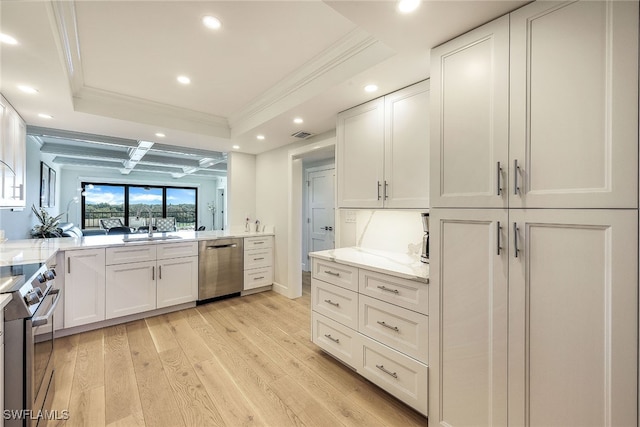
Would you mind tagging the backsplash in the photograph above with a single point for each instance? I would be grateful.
(388, 230)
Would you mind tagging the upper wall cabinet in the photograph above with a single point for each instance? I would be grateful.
(539, 109)
(383, 151)
(13, 153)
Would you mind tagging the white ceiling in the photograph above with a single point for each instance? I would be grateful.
(110, 67)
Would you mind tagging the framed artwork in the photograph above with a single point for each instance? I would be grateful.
(44, 185)
(52, 187)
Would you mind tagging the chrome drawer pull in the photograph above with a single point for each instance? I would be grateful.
(335, 340)
(258, 243)
(258, 259)
(332, 273)
(258, 278)
(384, 288)
(395, 328)
(381, 367)
(328, 301)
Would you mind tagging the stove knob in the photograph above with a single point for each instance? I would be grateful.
(31, 298)
(41, 278)
(50, 275)
(39, 293)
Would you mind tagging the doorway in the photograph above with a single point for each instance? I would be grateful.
(319, 209)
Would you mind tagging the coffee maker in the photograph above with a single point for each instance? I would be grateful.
(424, 256)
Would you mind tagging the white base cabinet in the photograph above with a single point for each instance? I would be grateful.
(177, 281)
(258, 262)
(84, 287)
(385, 342)
(131, 288)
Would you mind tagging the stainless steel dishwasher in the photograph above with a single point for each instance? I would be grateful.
(220, 268)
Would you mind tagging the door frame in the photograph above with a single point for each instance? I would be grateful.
(294, 244)
(306, 236)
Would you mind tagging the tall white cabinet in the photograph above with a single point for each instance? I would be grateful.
(534, 285)
(383, 151)
(13, 149)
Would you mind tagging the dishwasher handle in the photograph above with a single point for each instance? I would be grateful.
(230, 245)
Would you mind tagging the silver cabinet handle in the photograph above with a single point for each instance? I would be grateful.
(258, 243)
(335, 340)
(332, 273)
(393, 328)
(386, 187)
(69, 265)
(384, 288)
(258, 259)
(153, 273)
(258, 278)
(159, 272)
(328, 301)
(499, 229)
(379, 185)
(516, 170)
(386, 371)
(515, 240)
(499, 176)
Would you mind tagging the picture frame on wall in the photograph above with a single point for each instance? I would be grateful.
(52, 187)
(44, 185)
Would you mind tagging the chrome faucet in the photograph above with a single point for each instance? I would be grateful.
(150, 221)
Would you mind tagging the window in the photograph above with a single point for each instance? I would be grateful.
(134, 204)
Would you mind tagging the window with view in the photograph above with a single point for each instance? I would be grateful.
(134, 205)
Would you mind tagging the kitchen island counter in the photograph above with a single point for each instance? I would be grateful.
(26, 251)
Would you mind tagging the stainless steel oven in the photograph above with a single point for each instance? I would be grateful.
(29, 344)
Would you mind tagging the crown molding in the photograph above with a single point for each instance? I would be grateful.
(64, 18)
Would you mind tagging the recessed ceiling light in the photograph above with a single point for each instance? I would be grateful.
(408, 6)
(27, 89)
(298, 120)
(160, 135)
(371, 88)
(260, 137)
(45, 116)
(212, 22)
(184, 80)
(235, 147)
(5, 38)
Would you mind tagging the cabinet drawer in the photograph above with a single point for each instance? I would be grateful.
(337, 303)
(257, 258)
(258, 242)
(128, 254)
(258, 277)
(396, 373)
(177, 250)
(405, 293)
(397, 327)
(336, 339)
(338, 274)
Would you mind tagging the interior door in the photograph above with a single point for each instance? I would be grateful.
(321, 210)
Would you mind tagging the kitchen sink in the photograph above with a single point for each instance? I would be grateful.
(132, 238)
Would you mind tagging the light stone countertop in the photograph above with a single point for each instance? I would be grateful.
(15, 252)
(396, 264)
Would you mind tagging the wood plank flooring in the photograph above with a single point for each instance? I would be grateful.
(243, 361)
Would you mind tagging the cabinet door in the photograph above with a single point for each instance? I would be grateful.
(131, 288)
(468, 317)
(13, 151)
(177, 281)
(470, 118)
(360, 155)
(84, 287)
(574, 105)
(573, 317)
(406, 156)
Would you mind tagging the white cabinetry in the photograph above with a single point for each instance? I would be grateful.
(13, 145)
(527, 305)
(385, 342)
(84, 287)
(146, 277)
(383, 151)
(258, 262)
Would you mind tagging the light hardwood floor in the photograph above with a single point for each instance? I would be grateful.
(237, 362)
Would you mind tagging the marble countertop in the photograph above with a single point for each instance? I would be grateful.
(15, 252)
(396, 264)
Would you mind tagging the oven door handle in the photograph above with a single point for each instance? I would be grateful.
(43, 320)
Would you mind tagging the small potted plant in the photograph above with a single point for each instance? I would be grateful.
(48, 226)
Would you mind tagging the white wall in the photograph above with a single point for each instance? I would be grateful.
(71, 178)
(388, 230)
(18, 224)
(241, 190)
